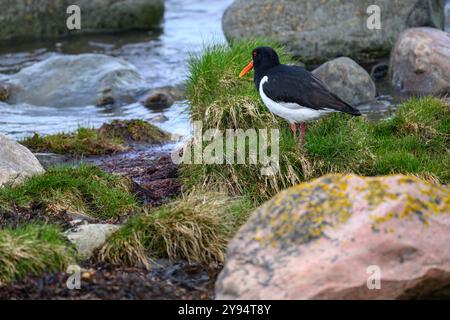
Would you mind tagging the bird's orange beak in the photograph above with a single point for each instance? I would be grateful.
(246, 69)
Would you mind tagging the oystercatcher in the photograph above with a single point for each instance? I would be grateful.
(292, 92)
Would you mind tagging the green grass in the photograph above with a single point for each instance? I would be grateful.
(221, 100)
(86, 190)
(32, 249)
(194, 228)
(84, 141)
(216, 94)
(109, 139)
(415, 141)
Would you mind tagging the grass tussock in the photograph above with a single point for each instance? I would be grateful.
(222, 101)
(108, 139)
(195, 228)
(32, 249)
(86, 190)
(415, 141)
(218, 96)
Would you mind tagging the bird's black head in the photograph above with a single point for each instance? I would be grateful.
(263, 58)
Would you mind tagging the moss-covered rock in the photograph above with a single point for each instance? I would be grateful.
(111, 138)
(83, 142)
(316, 240)
(133, 131)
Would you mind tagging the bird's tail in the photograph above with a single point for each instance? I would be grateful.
(348, 108)
(355, 112)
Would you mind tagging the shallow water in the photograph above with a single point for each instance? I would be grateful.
(160, 55)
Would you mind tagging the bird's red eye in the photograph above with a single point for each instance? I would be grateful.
(254, 54)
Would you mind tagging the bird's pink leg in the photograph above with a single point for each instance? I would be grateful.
(303, 127)
(294, 130)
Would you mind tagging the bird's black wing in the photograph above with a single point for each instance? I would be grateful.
(293, 84)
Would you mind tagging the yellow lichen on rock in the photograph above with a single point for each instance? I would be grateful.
(304, 212)
(324, 203)
(323, 235)
(434, 199)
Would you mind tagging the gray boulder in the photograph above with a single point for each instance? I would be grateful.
(348, 80)
(318, 31)
(16, 162)
(420, 62)
(76, 80)
(43, 18)
(89, 237)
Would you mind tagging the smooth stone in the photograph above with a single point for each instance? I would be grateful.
(16, 162)
(76, 80)
(420, 62)
(344, 237)
(348, 80)
(89, 237)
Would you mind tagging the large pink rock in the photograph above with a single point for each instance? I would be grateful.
(420, 62)
(327, 239)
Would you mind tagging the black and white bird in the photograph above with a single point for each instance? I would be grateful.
(292, 92)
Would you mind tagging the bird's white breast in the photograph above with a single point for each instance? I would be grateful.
(292, 112)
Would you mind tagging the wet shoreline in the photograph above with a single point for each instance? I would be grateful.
(155, 181)
(160, 55)
(177, 281)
